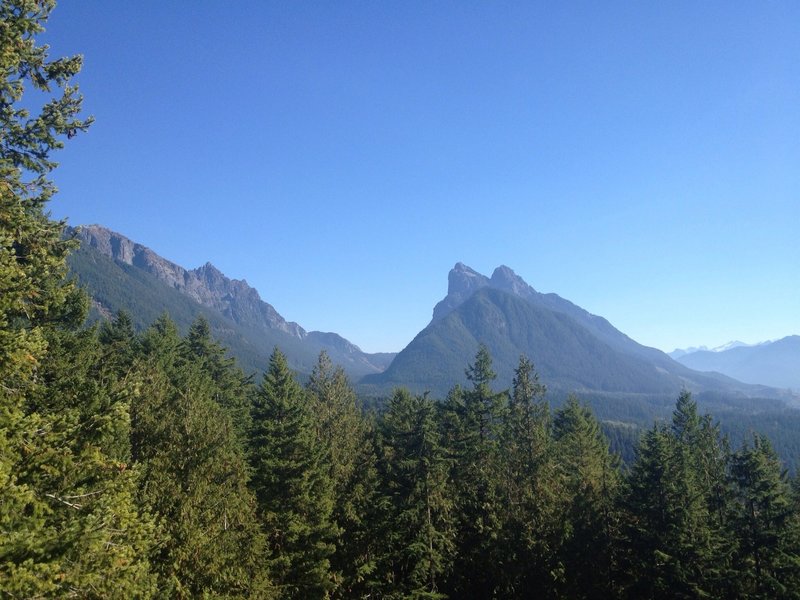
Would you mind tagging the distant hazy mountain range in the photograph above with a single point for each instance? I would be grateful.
(678, 352)
(775, 363)
(572, 349)
(121, 274)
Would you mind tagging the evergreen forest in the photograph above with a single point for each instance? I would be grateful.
(147, 464)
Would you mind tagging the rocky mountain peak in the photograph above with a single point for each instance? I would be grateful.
(504, 278)
(462, 282)
(207, 285)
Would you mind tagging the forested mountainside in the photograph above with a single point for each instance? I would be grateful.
(772, 363)
(120, 274)
(627, 385)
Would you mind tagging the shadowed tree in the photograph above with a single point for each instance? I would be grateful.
(232, 388)
(676, 545)
(530, 488)
(473, 430)
(194, 478)
(589, 478)
(767, 559)
(415, 479)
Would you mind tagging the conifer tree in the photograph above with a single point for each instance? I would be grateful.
(474, 429)
(68, 521)
(292, 483)
(589, 480)
(768, 550)
(194, 478)
(530, 488)
(119, 343)
(91, 539)
(420, 520)
(348, 438)
(232, 388)
(676, 543)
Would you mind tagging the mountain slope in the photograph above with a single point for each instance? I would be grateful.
(572, 349)
(775, 363)
(121, 274)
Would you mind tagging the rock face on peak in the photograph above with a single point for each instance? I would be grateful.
(503, 278)
(462, 282)
(206, 285)
(122, 274)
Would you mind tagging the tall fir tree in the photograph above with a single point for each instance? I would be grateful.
(415, 469)
(767, 558)
(677, 545)
(119, 344)
(589, 482)
(232, 388)
(473, 433)
(530, 488)
(293, 487)
(349, 439)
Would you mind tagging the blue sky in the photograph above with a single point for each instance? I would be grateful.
(640, 159)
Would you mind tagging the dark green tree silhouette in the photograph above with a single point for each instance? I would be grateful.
(767, 559)
(232, 388)
(589, 483)
(530, 489)
(415, 471)
(473, 430)
(677, 545)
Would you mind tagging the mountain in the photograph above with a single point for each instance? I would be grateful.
(119, 274)
(775, 363)
(678, 352)
(573, 350)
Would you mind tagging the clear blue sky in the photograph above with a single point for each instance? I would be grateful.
(641, 159)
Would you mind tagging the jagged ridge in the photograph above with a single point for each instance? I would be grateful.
(254, 325)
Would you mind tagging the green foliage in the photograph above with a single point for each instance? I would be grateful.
(767, 559)
(32, 252)
(348, 437)
(138, 466)
(194, 477)
(78, 528)
(676, 505)
(68, 518)
(292, 485)
(531, 490)
(144, 298)
(414, 468)
(590, 483)
(473, 432)
(231, 387)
